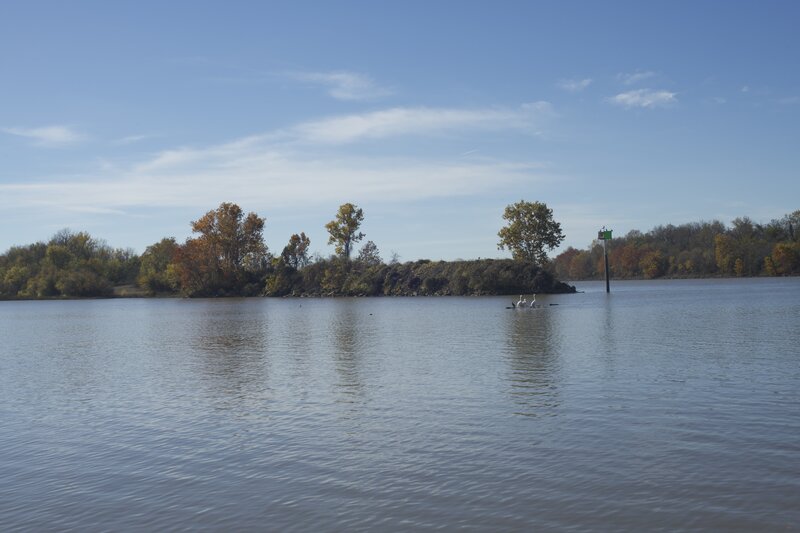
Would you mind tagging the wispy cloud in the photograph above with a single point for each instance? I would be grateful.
(48, 135)
(574, 86)
(419, 121)
(344, 85)
(94, 210)
(131, 139)
(273, 180)
(633, 78)
(644, 98)
(279, 168)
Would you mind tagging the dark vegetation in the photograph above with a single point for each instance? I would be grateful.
(701, 249)
(337, 276)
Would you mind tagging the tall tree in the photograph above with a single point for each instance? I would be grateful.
(295, 254)
(229, 252)
(344, 229)
(530, 229)
(235, 242)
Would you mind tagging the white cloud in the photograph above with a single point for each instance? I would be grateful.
(296, 167)
(94, 210)
(48, 135)
(344, 85)
(645, 98)
(635, 77)
(170, 158)
(574, 86)
(273, 180)
(418, 121)
(131, 139)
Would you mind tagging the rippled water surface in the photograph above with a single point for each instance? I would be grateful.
(662, 406)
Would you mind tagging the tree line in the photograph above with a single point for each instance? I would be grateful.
(699, 249)
(227, 256)
(70, 264)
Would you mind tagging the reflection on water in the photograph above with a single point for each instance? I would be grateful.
(534, 351)
(347, 332)
(298, 331)
(662, 405)
(231, 338)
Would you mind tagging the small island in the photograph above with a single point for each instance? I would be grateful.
(228, 257)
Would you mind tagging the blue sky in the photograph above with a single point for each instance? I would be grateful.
(130, 119)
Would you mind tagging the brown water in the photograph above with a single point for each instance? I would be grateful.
(662, 406)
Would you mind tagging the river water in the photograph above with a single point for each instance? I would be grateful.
(671, 405)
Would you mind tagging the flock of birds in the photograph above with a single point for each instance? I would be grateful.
(522, 303)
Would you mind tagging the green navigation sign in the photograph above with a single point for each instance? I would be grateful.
(605, 235)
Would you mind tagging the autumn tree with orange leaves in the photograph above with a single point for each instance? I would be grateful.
(228, 257)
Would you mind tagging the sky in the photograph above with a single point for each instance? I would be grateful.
(130, 119)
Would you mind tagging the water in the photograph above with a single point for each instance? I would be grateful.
(662, 406)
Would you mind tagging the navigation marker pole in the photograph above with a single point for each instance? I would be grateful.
(605, 235)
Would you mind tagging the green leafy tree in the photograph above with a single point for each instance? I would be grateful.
(530, 229)
(156, 272)
(83, 282)
(15, 279)
(343, 229)
(80, 245)
(58, 255)
(69, 265)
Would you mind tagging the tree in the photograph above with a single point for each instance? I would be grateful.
(235, 242)
(369, 254)
(786, 258)
(228, 255)
(627, 259)
(156, 272)
(530, 229)
(723, 252)
(653, 264)
(344, 229)
(786, 228)
(295, 254)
